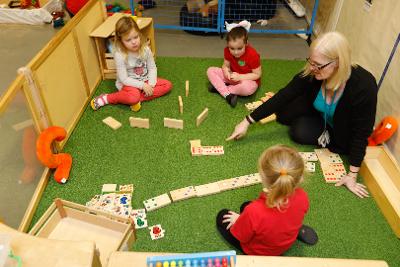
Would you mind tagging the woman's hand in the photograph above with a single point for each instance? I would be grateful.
(350, 181)
(240, 130)
(147, 89)
(230, 218)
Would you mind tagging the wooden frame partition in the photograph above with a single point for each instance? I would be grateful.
(66, 71)
(58, 83)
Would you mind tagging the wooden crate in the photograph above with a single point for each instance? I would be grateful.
(381, 174)
(66, 220)
(107, 30)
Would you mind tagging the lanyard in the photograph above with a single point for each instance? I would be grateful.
(327, 108)
(324, 139)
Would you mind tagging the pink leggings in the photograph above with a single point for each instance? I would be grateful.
(131, 95)
(226, 87)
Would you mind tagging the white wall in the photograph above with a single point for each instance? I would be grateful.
(372, 33)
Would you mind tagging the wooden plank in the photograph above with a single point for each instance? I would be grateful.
(125, 259)
(180, 102)
(381, 184)
(173, 123)
(203, 115)
(139, 122)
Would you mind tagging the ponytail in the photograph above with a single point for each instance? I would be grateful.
(278, 192)
(281, 169)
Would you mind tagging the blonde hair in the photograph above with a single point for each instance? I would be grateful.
(281, 169)
(123, 27)
(334, 46)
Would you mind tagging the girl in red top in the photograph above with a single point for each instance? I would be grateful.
(241, 72)
(270, 224)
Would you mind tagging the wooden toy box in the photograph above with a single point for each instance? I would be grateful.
(107, 30)
(382, 176)
(66, 220)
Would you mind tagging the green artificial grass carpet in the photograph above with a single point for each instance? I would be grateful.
(158, 160)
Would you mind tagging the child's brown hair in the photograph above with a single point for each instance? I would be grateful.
(281, 169)
(124, 26)
(237, 33)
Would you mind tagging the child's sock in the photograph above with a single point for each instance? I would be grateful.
(99, 101)
(136, 107)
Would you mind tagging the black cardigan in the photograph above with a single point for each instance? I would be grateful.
(354, 116)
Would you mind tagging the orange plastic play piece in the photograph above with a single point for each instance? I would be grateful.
(383, 131)
(62, 161)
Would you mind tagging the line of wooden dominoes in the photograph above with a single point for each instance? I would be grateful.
(201, 190)
(157, 202)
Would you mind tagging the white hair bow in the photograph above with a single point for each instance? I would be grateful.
(244, 23)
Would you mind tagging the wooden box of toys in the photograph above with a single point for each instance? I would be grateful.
(66, 220)
(381, 174)
(104, 38)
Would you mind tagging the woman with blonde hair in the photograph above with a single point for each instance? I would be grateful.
(331, 103)
(270, 224)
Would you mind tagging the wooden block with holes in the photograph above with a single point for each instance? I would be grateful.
(113, 123)
(207, 189)
(180, 104)
(157, 202)
(201, 117)
(381, 175)
(187, 88)
(183, 193)
(139, 122)
(173, 123)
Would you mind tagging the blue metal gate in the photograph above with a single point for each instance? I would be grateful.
(209, 16)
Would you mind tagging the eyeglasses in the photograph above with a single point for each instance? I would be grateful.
(319, 67)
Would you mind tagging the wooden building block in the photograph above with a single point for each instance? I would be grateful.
(183, 193)
(201, 117)
(157, 202)
(187, 88)
(107, 188)
(381, 174)
(113, 123)
(195, 143)
(268, 119)
(139, 122)
(180, 104)
(173, 123)
(207, 189)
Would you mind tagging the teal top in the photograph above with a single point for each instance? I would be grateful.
(324, 108)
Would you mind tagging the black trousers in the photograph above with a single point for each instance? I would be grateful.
(226, 233)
